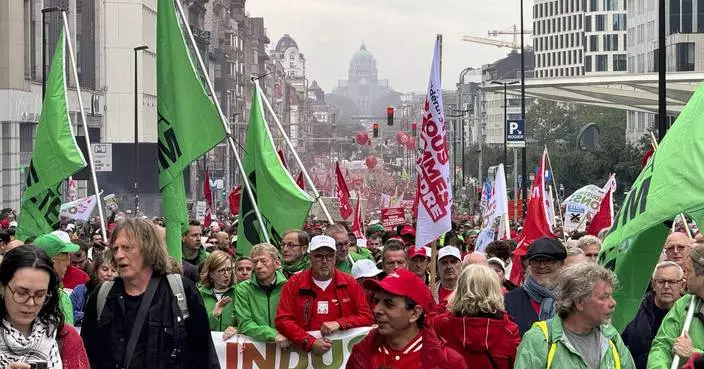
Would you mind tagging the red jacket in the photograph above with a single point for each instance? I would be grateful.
(71, 349)
(298, 307)
(434, 354)
(475, 338)
(74, 277)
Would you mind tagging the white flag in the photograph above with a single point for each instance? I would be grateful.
(80, 209)
(496, 209)
(433, 181)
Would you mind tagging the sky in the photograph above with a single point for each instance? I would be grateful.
(399, 33)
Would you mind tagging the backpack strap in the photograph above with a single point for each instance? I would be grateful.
(614, 353)
(543, 325)
(176, 284)
(105, 288)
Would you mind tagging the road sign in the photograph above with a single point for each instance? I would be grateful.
(515, 133)
(102, 157)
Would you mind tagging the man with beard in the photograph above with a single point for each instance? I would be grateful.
(667, 286)
(535, 299)
(449, 266)
(293, 247)
(321, 298)
(580, 335)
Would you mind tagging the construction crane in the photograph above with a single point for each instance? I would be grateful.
(515, 45)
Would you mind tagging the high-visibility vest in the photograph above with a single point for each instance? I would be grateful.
(543, 325)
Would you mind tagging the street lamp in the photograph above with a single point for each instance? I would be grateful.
(136, 132)
(505, 84)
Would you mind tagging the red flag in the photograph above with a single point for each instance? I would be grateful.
(234, 200)
(357, 222)
(604, 218)
(646, 156)
(343, 194)
(536, 224)
(208, 199)
(300, 182)
(281, 156)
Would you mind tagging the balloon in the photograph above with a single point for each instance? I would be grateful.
(411, 144)
(370, 161)
(362, 137)
(403, 139)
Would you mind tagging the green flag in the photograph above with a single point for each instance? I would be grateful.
(55, 156)
(188, 121)
(282, 203)
(669, 184)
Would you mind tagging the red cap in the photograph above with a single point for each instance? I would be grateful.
(407, 231)
(405, 283)
(414, 251)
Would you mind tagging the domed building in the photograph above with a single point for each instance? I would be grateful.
(290, 57)
(363, 85)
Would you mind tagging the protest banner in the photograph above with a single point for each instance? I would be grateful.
(391, 217)
(582, 203)
(201, 207)
(110, 201)
(241, 352)
(80, 209)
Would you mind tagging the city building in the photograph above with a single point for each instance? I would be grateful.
(293, 63)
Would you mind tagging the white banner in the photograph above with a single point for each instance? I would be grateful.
(241, 352)
(579, 206)
(496, 208)
(433, 167)
(79, 209)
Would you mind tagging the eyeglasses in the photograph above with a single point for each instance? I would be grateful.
(224, 271)
(290, 245)
(322, 257)
(663, 282)
(22, 297)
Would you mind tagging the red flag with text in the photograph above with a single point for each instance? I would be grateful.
(357, 222)
(208, 199)
(604, 217)
(343, 194)
(537, 223)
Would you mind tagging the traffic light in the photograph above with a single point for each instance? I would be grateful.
(390, 115)
(376, 129)
(414, 128)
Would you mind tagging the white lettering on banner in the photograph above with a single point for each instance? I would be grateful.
(241, 352)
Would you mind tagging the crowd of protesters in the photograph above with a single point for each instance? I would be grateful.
(139, 308)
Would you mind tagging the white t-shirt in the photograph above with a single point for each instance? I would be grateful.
(323, 285)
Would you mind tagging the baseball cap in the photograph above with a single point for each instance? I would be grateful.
(405, 283)
(375, 228)
(364, 268)
(321, 241)
(449, 251)
(548, 248)
(54, 244)
(414, 251)
(498, 262)
(407, 231)
(70, 227)
(362, 242)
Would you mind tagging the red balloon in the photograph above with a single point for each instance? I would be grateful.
(362, 137)
(370, 161)
(403, 140)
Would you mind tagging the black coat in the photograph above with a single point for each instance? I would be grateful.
(170, 345)
(641, 331)
(520, 310)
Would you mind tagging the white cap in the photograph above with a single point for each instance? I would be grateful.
(498, 262)
(71, 227)
(362, 242)
(62, 235)
(13, 224)
(449, 251)
(364, 268)
(322, 241)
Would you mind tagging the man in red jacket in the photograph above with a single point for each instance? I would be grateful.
(321, 298)
(402, 340)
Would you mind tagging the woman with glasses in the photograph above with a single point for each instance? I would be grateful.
(217, 287)
(103, 269)
(33, 329)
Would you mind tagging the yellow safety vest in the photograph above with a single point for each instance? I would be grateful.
(543, 325)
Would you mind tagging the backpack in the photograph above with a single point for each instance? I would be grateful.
(175, 282)
(544, 327)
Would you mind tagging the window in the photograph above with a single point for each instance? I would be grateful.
(600, 21)
(611, 4)
(685, 56)
(593, 43)
(602, 63)
(588, 23)
(610, 42)
(674, 17)
(593, 5)
(619, 22)
(620, 62)
(700, 16)
(588, 63)
(686, 16)
(641, 33)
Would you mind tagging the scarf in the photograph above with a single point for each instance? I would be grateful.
(40, 345)
(542, 295)
(299, 265)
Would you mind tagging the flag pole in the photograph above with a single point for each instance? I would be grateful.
(223, 121)
(559, 202)
(69, 44)
(316, 194)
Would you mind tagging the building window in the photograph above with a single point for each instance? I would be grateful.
(593, 5)
(588, 63)
(686, 16)
(685, 56)
(600, 21)
(620, 62)
(588, 23)
(674, 17)
(611, 4)
(619, 22)
(611, 42)
(700, 16)
(593, 43)
(602, 63)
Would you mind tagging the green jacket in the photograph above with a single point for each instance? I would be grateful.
(227, 318)
(661, 349)
(365, 253)
(299, 266)
(533, 350)
(346, 266)
(256, 308)
(66, 307)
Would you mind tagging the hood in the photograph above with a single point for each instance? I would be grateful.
(476, 334)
